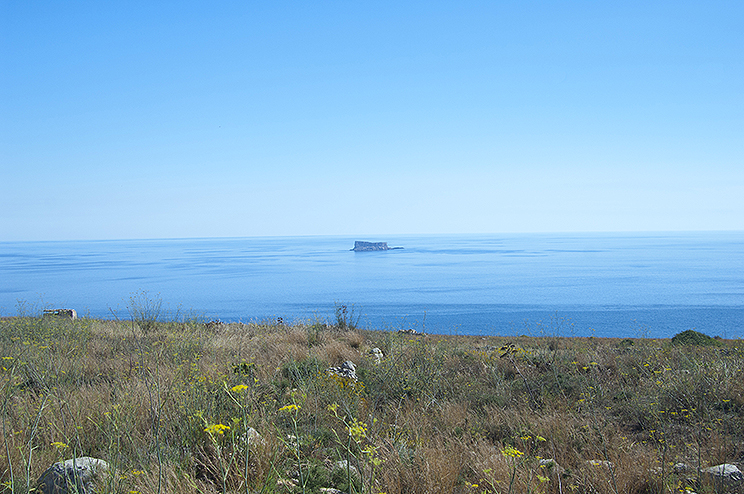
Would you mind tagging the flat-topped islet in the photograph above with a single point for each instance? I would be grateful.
(360, 246)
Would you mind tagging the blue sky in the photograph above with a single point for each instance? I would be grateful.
(203, 119)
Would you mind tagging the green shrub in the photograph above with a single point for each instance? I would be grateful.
(626, 343)
(145, 310)
(297, 372)
(346, 320)
(691, 337)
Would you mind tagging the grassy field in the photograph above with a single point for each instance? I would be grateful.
(190, 406)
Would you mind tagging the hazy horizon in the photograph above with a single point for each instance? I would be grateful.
(385, 237)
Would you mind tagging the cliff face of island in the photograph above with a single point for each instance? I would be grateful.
(371, 246)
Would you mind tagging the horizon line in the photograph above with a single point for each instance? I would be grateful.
(383, 235)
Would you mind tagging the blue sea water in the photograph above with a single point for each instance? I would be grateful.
(620, 285)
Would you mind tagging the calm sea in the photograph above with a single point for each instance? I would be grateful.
(624, 285)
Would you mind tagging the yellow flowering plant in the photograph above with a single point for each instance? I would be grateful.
(357, 430)
(216, 433)
(292, 407)
(514, 456)
(239, 388)
(240, 395)
(354, 446)
(217, 429)
(60, 447)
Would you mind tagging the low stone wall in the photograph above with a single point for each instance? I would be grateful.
(65, 313)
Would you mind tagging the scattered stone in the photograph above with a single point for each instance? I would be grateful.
(77, 475)
(293, 442)
(289, 484)
(330, 490)
(347, 370)
(377, 354)
(253, 438)
(726, 473)
(600, 463)
(410, 331)
(343, 465)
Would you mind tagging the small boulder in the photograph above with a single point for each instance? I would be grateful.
(347, 370)
(600, 463)
(292, 442)
(289, 484)
(726, 473)
(77, 475)
(253, 438)
(377, 355)
(344, 465)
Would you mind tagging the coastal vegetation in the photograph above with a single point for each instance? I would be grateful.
(190, 406)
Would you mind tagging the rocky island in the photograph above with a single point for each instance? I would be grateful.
(372, 246)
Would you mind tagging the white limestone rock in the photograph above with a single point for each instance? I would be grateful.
(77, 475)
(726, 473)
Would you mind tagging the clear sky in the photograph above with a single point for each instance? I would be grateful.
(201, 119)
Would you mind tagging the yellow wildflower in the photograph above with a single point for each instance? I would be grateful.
(217, 429)
(239, 388)
(511, 452)
(357, 430)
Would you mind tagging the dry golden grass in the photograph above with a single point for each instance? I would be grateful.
(170, 407)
